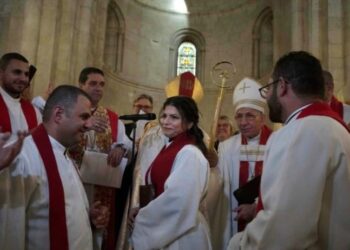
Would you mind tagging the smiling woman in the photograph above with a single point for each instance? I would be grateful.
(180, 166)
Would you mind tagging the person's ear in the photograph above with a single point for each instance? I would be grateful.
(57, 114)
(283, 87)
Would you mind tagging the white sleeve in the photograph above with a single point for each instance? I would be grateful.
(174, 212)
(39, 103)
(292, 188)
(122, 138)
(17, 188)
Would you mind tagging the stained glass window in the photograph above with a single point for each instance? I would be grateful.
(186, 59)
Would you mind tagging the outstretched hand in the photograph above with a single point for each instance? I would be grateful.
(8, 153)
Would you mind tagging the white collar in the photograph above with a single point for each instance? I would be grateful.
(6, 96)
(58, 146)
(293, 116)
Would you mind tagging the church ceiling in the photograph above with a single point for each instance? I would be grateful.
(194, 6)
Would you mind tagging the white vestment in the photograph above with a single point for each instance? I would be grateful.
(24, 202)
(304, 187)
(173, 220)
(17, 118)
(346, 113)
(231, 152)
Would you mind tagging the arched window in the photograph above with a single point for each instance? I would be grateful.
(186, 58)
(187, 53)
(114, 38)
(263, 44)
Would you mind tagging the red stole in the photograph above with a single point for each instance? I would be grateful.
(322, 109)
(244, 168)
(113, 121)
(244, 165)
(337, 106)
(57, 211)
(315, 109)
(162, 164)
(28, 111)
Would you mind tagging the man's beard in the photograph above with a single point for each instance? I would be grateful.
(275, 107)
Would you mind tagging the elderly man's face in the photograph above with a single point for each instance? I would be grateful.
(249, 121)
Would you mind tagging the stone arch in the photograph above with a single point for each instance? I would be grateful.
(114, 38)
(263, 44)
(192, 36)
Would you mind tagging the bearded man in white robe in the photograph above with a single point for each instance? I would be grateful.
(306, 175)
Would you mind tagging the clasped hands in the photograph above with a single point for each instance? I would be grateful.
(100, 124)
(99, 215)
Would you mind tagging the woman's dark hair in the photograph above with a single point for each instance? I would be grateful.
(188, 110)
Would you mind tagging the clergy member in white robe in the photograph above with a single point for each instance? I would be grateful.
(24, 201)
(154, 140)
(241, 156)
(179, 175)
(16, 113)
(43, 204)
(306, 175)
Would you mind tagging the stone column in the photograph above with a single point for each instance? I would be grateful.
(64, 50)
(346, 89)
(298, 24)
(336, 44)
(31, 29)
(315, 31)
(46, 45)
(81, 37)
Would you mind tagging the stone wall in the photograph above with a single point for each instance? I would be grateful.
(61, 37)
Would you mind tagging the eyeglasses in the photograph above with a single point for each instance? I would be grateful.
(142, 106)
(263, 90)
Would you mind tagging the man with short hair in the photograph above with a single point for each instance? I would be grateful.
(305, 181)
(107, 136)
(16, 113)
(43, 204)
(241, 156)
(342, 109)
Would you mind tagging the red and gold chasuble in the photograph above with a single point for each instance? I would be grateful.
(244, 167)
(161, 166)
(28, 111)
(102, 143)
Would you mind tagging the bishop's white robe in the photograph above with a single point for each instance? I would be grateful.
(24, 202)
(305, 189)
(231, 152)
(346, 114)
(17, 118)
(173, 220)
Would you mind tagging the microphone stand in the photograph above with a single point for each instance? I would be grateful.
(126, 186)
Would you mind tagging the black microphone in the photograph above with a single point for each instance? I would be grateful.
(136, 117)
